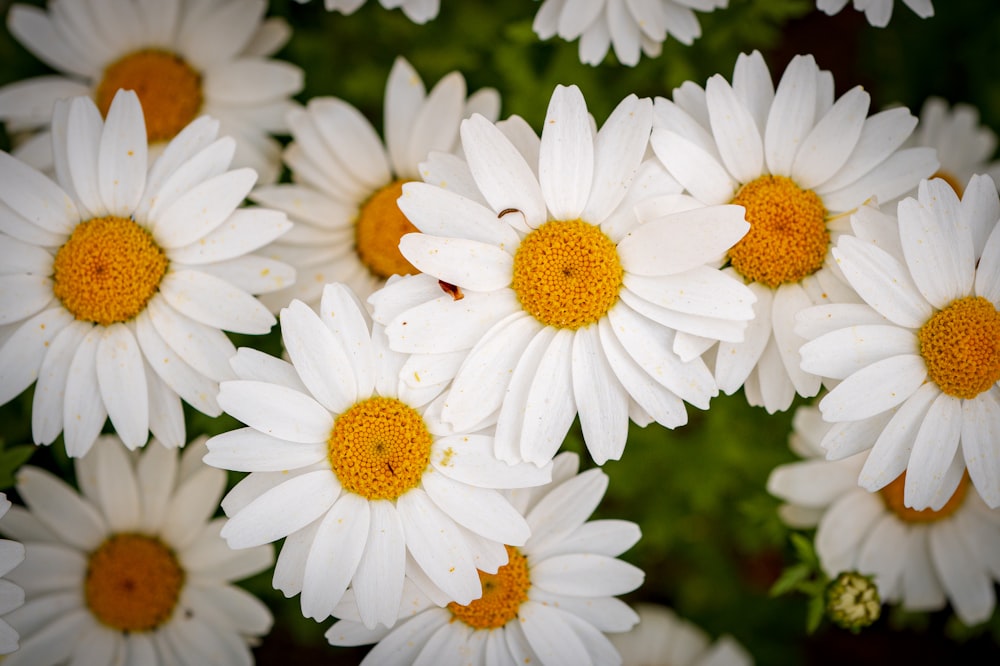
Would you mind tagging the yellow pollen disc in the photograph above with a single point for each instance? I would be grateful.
(169, 90)
(788, 237)
(503, 594)
(952, 181)
(961, 347)
(133, 583)
(379, 227)
(379, 448)
(567, 274)
(892, 495)
(108, 270)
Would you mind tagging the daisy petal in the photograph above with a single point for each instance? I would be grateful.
(121, 378)
(843, 352)
(874, 389)
(280, 511)
(334, 555)
(566, 160)
(276, 410)
(792, 114)
(482, 510)
(378, 581)
(504, 178)
(832, 140)
(601, 401)
(202, 208)
(57, 506)
(122, 161)
(466, 263)
(882, 282)
(440, 212)
(969, 588)
(319, 358)
(933, 450)
(891, 450)
(437, 546)
(735, 131)
(31, 194)
(550, 636)
(979, 430)
(84, 412)
(247, 450)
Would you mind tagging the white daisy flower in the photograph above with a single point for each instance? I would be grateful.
(878, 12)
(661, 637)
(11, 595)
(920, 560)
(418, 11)
(117, 282)
(343, 201)
(630, 27)
(548, 605)
(349, 464)
(964, 146)
(132, 570)
(798, 161)
(918, 363)
(184, 58)
(558, 300)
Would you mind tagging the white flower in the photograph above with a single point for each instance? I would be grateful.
(349, 464)
(418, 11)
(343, 203)
(964, 146)
(661, 637)
(878, 12)
(627, 26)
(918, 362)
(117, 282)
(548, 605)
(566, 304)
(919, 559)
(798, 161)
(11, 595)
(184, 58)
(132, 570)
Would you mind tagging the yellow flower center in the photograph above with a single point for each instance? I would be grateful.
(961, 347)
(503, 594)
(108, 270)
(892, 495)
(169, 90)
(952, 180)
(567, 274)
(133, 583)
(379, 448)
(788, 238)
(379, 227)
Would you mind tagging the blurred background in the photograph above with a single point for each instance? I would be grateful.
(712, 544)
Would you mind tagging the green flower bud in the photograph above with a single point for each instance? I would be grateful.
(852, 601)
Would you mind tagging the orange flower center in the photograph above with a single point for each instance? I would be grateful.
(892, 495)
(961, 347)
(503, 594)
(379, 227)
(788, 238)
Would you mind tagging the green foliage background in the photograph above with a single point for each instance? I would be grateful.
(712, 545)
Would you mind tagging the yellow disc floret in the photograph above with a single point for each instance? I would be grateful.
(108, 270)
(379, 448)
(567, 274)
(892, 495)
(503, 594)
(961, 347)
(168, 88)
(788, 238)
(379, 227)
(133, 583)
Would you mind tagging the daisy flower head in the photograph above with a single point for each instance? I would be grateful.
(916, 365)
(632, 28)
(919, 559)
(184, 58)
(11, 595)
(418, 11)
(346, 180)
(558, 299)
(964, 146)
(118, 280)
(661, 637)
(877, 12)
(131, 569)
(798, 161)
(350, 465)
(549, 604)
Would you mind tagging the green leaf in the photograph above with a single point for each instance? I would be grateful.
(790, 579)
(804, 550)
(815, 613)
(11, 460)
